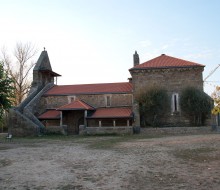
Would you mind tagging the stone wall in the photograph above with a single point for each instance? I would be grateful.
(48, 123)
(22, 120)
(99, 100)
(108, 122)
(95, 100)
(56, 129)
(20, 126)
(51, 102)
(106, 130)
(30, 110)
(174, 80)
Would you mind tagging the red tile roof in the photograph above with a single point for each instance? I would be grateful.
(112, 113)
(76, 105)
(50, 114)
(165, 61)
(105, 88)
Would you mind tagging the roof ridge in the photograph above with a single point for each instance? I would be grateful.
(92, 84)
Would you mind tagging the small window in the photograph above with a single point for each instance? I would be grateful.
(108, 101)
(71, 99)
(175, 102)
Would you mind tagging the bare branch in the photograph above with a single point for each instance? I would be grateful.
(19, 68)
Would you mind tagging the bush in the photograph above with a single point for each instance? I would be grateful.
(196, 105)
(153, 103)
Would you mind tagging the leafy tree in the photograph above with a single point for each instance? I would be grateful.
(154, 103)
(196, 105)
(216, 98)
(6, 91)
(19, 66)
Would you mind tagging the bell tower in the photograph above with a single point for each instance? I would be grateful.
(42, 72)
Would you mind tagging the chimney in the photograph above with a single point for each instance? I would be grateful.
(130, 80)
(136, 59)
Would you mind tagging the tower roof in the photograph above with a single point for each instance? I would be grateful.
(43, 64)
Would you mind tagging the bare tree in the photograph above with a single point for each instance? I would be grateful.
(19, 66)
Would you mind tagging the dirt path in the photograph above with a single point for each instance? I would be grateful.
(181, 162)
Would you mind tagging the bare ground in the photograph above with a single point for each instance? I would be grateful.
(177, 162)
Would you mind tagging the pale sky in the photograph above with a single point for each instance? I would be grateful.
(93, 41)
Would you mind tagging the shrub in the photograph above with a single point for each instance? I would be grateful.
(216, 98)
(196, 105)
(153, 103)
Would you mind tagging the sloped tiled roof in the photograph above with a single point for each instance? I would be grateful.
(123, 87)
(112, 113)
(76, 105)
(50, 114)
(165, 61)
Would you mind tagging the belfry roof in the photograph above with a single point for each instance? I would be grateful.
(165, 61)
(43, 64)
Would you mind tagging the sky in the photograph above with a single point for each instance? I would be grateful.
(93, 41)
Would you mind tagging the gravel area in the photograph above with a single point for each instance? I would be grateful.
(175, 162)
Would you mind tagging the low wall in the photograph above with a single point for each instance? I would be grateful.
(179, 130)
(55, 130)
(106, 130)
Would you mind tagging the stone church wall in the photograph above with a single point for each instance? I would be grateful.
(174, 81)
(51, 102)
(97, 100)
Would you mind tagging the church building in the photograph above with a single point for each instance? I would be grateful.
(102, 107)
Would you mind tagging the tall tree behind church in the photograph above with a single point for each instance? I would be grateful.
(19, 64)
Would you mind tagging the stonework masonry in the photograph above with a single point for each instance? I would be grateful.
(22, 120)
(95, 100)
(174, 80)
(174, 77)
